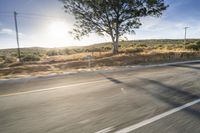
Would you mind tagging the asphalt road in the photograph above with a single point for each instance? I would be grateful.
(153, 100)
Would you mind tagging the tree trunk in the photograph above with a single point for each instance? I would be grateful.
(115, 43)
(115, 47)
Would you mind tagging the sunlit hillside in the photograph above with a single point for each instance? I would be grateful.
(58, 60)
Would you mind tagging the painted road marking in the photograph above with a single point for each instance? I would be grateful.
(158, 117)
(53, 88)
(106, 130)
(60, 87)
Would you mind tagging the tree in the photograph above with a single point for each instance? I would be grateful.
(111, 17)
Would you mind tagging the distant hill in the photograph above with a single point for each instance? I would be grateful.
(42, 50)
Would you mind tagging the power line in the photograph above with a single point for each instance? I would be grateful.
(36, 15)
(6, 15)
(5, 12)
(22, 14)
(32, 18)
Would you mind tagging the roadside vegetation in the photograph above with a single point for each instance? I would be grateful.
(43, 61)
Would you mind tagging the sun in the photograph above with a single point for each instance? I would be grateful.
(58, 30)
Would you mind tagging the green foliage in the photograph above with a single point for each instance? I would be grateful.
(195, 46)
(134, 50)
(198, 44)
(138, 50)
(142, 45)
(54, 52)
(1, 59)
(9, 59)
(67, 51)
(30, 57)
(111, 17)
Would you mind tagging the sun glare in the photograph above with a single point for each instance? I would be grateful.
(58, 30)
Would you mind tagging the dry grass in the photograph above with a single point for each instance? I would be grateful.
(62, 64)
(130, 54)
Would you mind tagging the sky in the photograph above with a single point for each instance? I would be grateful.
(43, 23)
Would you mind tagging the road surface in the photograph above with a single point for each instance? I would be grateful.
(153, 100)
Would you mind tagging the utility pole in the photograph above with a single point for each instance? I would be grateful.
(17, 36)
(185, 37)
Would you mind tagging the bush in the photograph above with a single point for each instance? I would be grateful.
(1, 60)
(78, 50)
(9, 59)
(134, 50)
(142, 45)
(30, 57)
(67, 51)
(106, 48)
(198, 43)
(138, 50)
(38, 54)
(169, 48)
(195, 46)
(54, 52)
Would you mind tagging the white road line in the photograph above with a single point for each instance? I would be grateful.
(106, 130)
(53, 88)
(155, 118)
(59, 87)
